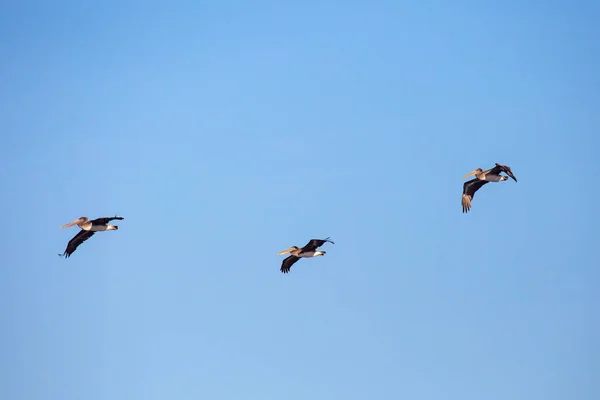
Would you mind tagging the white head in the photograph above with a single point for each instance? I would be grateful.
(474, 172)
(319, 253)
(288, 251)
(78, 221)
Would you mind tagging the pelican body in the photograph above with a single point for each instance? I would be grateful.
(481, 178)
(308, 251)
(88, 228)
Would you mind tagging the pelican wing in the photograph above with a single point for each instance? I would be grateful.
(503, 168)
(105, 220)
(314, 244)
(469, 189)
(287, 263)
(81, 237)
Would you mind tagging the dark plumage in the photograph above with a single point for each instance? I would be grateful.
(78, 239)
(88, 228)
(481, 178)
(287, 263)
(309, 250)
(502, 168)
(469, 189)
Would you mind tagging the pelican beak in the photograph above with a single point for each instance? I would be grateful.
(70, 224)
(470, 173)
(285, 251)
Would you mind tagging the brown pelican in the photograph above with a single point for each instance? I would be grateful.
(481, 178)
(310, 250)
(88, 228)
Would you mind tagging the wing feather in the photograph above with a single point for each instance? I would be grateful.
(503, 168)
(105, 220)
(287, 263)
(81, 237)
(469, 189)
(315, 243)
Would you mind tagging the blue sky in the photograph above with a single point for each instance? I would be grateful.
(225, 132)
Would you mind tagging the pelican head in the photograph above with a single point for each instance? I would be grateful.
(78, 221)
(475, 171)
(287, 251)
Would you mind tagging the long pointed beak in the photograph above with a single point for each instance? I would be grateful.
(70, 224)
(285, 251)
(470, 173)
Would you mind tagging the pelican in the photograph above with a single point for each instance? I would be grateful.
(481, 178)
(88, 228)
(310, 250)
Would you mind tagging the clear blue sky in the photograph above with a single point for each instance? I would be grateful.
(227, 131)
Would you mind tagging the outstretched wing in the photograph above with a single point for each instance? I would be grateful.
(105, 220)
(287, 263)
(315, 243)
(503, 168)
(81, 237)
(469, 189)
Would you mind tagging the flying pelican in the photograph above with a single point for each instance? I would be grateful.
(481, 178)
(88, 228)
(310, 250)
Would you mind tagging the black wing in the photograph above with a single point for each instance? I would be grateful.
(81, 237)
(105, 220)
(469, 189)
(315, 243)
(503, 168)
(287, 263)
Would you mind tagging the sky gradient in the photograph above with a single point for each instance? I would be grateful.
(225, 132)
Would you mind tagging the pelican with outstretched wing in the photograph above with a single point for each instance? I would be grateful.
(481, 178)
(492, 174)
(308, 251)
(88, 228)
